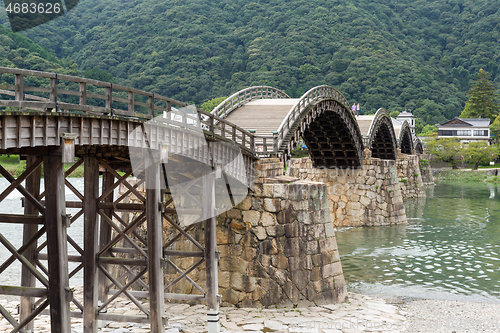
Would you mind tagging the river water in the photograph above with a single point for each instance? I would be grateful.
(14, 232)
(450, 248)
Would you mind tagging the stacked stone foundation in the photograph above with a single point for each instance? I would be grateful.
(366, 196)
(277, 247)
(425, 169)
(410, 176)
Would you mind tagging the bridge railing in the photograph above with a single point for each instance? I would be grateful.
(266, 145)
(50, 92)
(313, 95)
(244, 96)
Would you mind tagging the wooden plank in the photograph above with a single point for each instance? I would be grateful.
(188, 254)
(155, 248)
(90, 239)
(56, 244)
(25, 292)
(22, 219)
(122, 261)
(71, 258)
(174, 296)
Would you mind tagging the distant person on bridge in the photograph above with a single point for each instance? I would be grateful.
(353, 108)
(358, 109)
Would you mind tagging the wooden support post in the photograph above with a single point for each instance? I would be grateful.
(90, 238)
(29, 230)
(151, 105)
(83, 93)
(275, 142)
(109, 97)
(105, 231)
(131, 102)
(211, 269)
(53, 89)
(155, 248)
(59, 293)
(19, 94)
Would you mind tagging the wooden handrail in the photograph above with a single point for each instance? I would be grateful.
(244, 96)
(22, 101)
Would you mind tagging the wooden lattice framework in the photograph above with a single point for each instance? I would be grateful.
(51, 128)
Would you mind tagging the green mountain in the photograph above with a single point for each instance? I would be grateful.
(17, 51)
(417, 54)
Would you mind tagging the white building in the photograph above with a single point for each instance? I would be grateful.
(466, 130)
(410, 118)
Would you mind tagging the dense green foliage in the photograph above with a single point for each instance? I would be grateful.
(476, 153)
(483, 100)
(18, 51)
(449, 150)
(394, 54)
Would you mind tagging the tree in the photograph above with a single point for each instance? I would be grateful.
(446, 150)
(429, 130)
(394, 114)
(482, 101)
(208, 106)
(495, 128)
(477, 153)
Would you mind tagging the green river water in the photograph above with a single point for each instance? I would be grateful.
(450, 248)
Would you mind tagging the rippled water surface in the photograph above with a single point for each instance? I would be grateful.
(450, 248)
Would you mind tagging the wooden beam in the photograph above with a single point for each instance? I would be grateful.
(211, 270)
(56, 243)
(155, 248)
(22, 219)
(29, 230)
(90, 240)
(26, 292)
(108, 183)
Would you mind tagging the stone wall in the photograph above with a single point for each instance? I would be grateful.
(410, 176)
(277, 247)
(425, 169)
(367, 196)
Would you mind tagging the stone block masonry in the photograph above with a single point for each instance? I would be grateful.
(281, 248)
(410, 176)
(366, 196)
(277, 247)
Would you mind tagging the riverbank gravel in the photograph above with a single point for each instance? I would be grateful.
(362, 313)
(431, 316)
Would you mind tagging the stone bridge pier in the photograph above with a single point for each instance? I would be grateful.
(367, 196)
(278, 246)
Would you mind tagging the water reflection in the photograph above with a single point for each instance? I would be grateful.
(450, 248)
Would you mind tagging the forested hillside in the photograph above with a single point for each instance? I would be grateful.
(419, 54)
(18, 51)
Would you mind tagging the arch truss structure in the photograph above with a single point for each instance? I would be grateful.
(405, 139)
(322, 117)
(419, 148)
(381, 138)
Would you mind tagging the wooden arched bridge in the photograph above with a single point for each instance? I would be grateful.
(53, 119)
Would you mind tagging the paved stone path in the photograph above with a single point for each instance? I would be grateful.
(360, 314)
